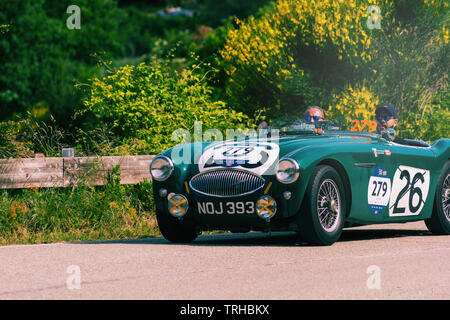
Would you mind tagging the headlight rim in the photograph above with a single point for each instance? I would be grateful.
(171, 165)
(297, 170)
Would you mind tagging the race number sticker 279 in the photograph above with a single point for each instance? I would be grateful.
(379, 190)
(409, 191)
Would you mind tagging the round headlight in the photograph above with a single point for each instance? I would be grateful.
(288, 171)
(161, 168)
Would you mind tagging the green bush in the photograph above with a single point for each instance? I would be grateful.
(149, 102)
(214, 12)
(42, 215)
(27, 51)
(14, 142)
(429, 123)
(410, 65)
(99, 27)
(27, 136)
(41, 59)
(140, 29)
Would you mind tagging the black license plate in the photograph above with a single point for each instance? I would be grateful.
(226, 207)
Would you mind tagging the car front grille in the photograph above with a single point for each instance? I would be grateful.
(226, 182)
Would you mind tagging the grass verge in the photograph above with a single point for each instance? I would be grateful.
(80, 213)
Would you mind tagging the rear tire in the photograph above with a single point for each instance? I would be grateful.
(439, 223)
(321, 216)
(175, 230)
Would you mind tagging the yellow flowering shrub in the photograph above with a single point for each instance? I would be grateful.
(339, 23)
(301, 52)
(264, 55)
(149, 102)
(354, 108)
(439, 6)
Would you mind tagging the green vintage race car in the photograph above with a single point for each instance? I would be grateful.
(310, 178)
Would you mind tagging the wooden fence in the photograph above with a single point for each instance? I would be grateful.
(64, 172)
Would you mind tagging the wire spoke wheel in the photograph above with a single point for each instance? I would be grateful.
(328, 205)
(322, 214)
(446, 197)
(439, 222)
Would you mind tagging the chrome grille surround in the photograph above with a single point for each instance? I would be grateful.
(226, 182)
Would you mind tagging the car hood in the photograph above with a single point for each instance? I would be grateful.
(254, 154)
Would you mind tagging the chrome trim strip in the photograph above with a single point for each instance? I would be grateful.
(365, 165)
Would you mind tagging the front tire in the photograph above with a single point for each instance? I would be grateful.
(175, 230)
(439, 223)
(321, 217)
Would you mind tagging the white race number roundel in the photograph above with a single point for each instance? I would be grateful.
(256, 157)
(409, 191)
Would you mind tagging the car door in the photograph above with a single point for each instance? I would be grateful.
(410, 170)
(370, 180)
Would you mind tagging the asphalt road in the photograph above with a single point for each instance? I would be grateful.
(398, 261)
